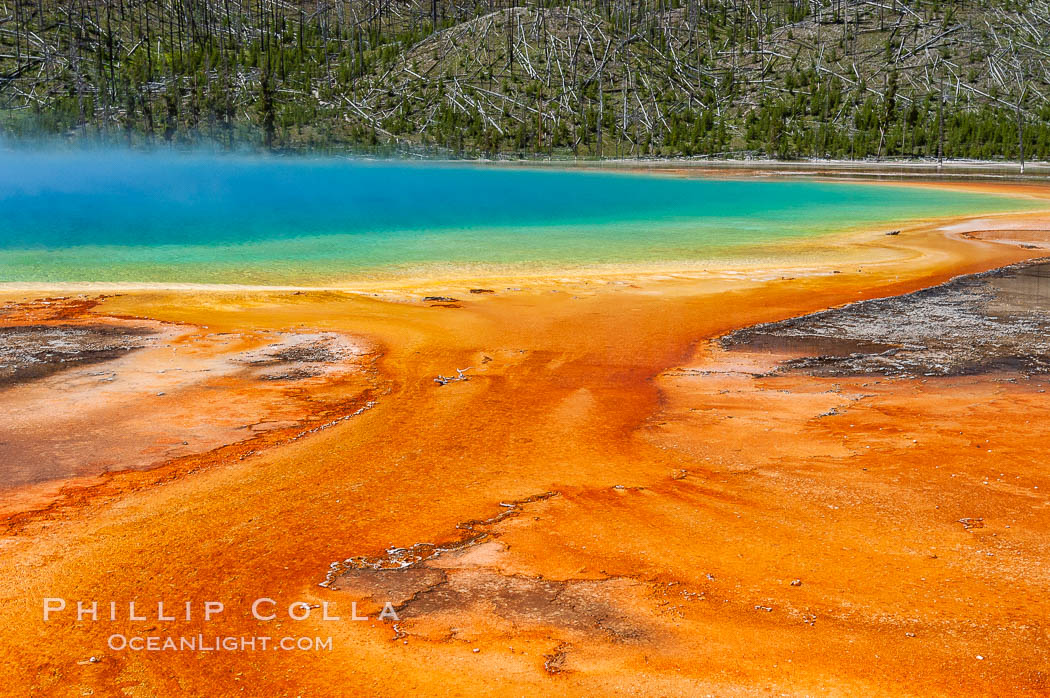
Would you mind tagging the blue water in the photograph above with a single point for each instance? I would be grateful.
(119, 216)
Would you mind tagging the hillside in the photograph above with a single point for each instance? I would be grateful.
(721, 78)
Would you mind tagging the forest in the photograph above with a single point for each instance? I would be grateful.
(787, 79)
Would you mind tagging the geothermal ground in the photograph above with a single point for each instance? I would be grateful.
(788, 482)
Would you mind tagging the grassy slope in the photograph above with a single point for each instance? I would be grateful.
(674, 77)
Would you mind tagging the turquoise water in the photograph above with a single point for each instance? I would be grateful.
(117, 216)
